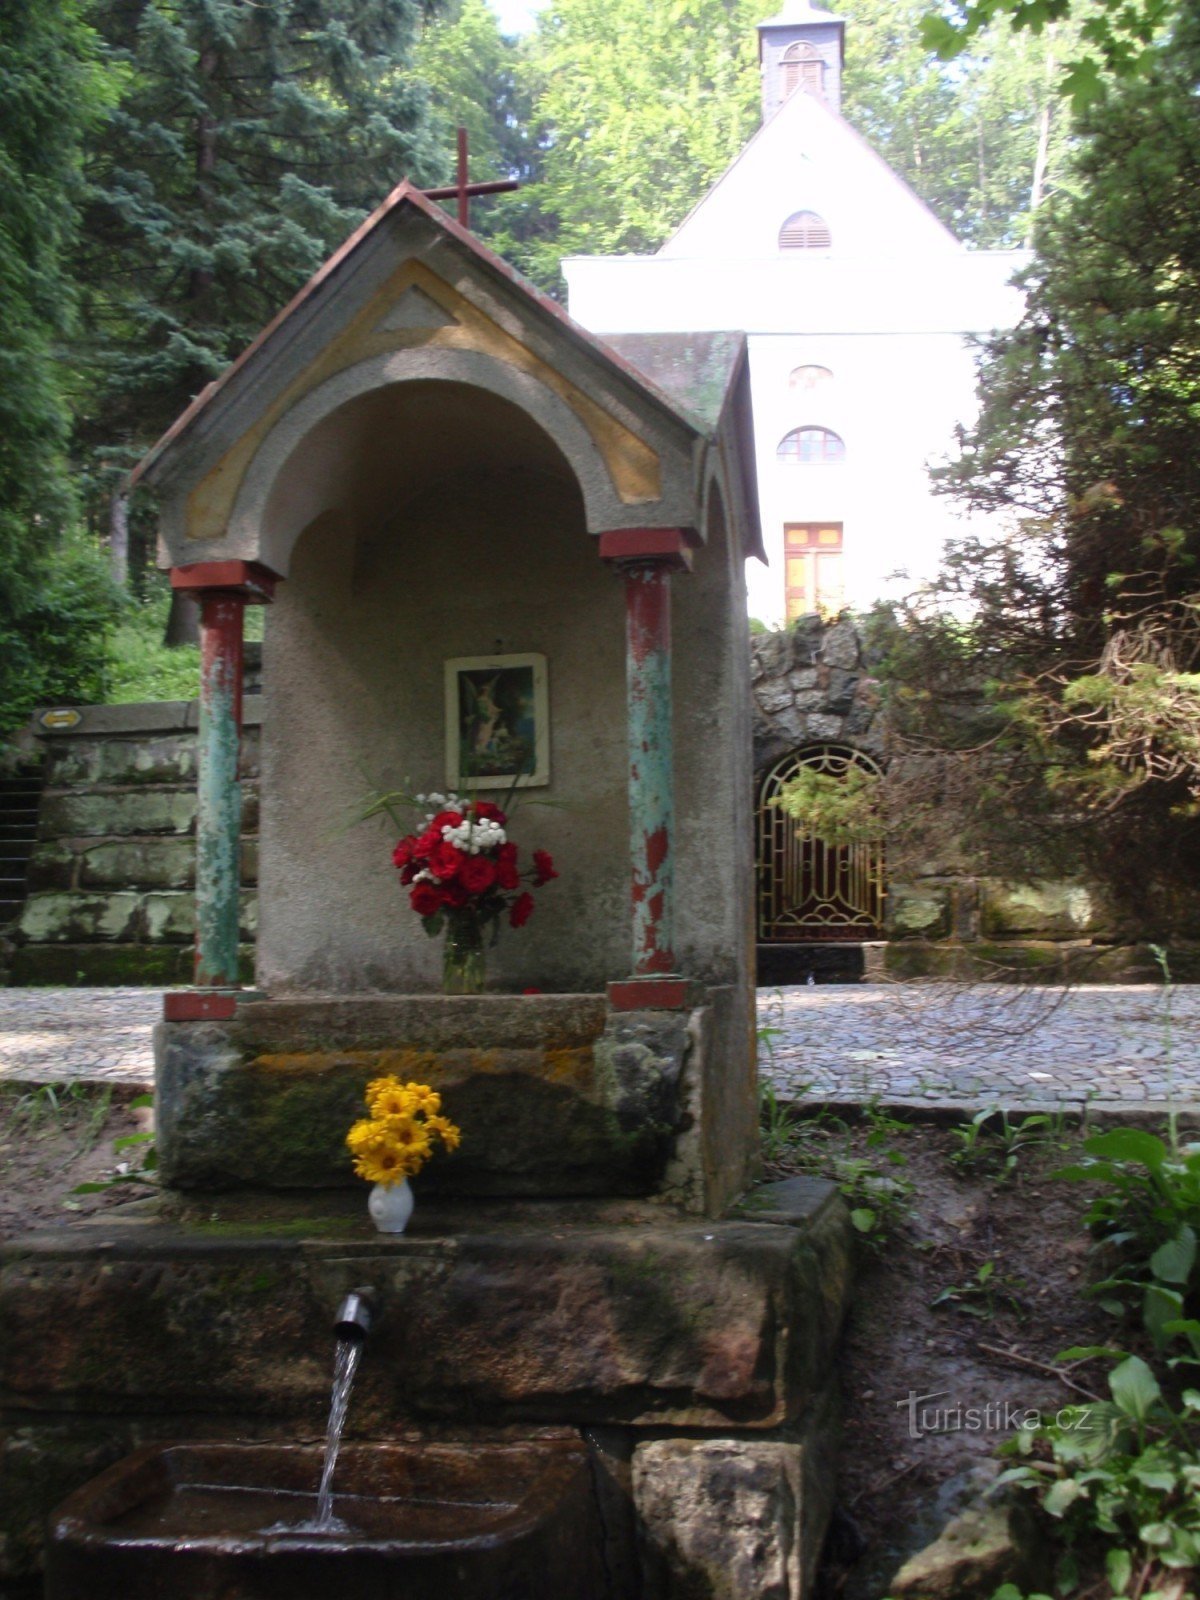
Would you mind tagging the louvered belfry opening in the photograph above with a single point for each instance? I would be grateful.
(809, 889)
(805, 230)
(804, 69)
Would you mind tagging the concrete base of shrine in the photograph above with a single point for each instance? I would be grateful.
(556, 1095)
(695, 1356)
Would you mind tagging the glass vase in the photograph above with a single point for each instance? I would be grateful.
(464, 965)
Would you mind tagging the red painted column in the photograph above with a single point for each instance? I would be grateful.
(647, 558)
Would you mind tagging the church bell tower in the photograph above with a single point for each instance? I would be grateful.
(801, 51)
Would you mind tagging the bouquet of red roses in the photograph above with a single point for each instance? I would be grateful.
(462, 874)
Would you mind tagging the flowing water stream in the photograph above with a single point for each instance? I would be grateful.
(345, 1365)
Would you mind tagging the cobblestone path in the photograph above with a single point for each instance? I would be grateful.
(979, 1045)
(936, 1044)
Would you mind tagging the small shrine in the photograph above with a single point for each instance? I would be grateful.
(438, 483)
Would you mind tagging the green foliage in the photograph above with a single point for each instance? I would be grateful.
(53, 602)
(54, 641)
(140, 1167)
(1146, 1214)
(1115, 36)
(867, 1168)
(140, 666)
(638, 109)
(1121, 1478)
(983, 1294)
(840, 809)
(991, 1140)
(981, 142)
(645, 106)
(248, 142)
(1075, 622)
(476, 80)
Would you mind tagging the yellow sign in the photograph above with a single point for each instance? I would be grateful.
(61, 717)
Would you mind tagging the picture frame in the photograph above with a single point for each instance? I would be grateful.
(497, 722)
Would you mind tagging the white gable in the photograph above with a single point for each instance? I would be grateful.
(807, 158)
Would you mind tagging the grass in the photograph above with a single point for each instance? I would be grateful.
(140, 667)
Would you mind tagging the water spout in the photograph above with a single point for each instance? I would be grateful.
(352, 1324)
(353, 1320)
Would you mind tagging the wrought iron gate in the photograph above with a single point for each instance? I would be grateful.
(807, 888)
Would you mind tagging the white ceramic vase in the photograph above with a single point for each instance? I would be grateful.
(391, 1205)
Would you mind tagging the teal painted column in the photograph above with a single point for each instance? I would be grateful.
(224, 589)
(218, 790)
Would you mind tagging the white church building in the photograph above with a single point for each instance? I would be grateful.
(860, 307)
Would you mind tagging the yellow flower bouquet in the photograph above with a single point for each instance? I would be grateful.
(394, 1141)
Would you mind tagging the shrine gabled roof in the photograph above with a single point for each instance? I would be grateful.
(324, 283)
(709, 374)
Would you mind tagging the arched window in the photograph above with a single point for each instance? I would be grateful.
(811, 446)
(803, 69)
(805, 230)
(808, 377)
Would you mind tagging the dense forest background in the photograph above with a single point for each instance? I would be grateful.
(171, 171)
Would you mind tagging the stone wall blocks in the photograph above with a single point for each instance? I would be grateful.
(1043, 909)
(918, 911)
(774, 697)
(58, 918)
(841, 646)
(156, 862)
(840, 692)
(825, 726)
(52, 866)
(720, 1519)
(168, 917)
(794, 725)
(100, 813)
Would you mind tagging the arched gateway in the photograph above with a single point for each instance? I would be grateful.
(809, 889)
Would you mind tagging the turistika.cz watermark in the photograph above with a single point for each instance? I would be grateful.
(994, 1416)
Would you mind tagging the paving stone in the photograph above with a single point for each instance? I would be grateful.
(931, 1044)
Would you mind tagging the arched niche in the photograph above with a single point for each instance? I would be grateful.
(432, 521)
(372, 420)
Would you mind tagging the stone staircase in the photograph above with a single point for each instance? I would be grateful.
(20, 793)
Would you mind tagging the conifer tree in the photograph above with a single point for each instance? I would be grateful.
(252, 136)
(51, 596)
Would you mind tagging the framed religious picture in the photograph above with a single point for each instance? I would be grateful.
(497, 722)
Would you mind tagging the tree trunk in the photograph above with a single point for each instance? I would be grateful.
(118, 538)
(1037, 187)
(183, 621)
(200, 278)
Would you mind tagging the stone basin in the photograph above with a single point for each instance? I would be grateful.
(487, 1521)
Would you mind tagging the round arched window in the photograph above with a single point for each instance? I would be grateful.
(805, 230)
(808, 377)
(811, 446)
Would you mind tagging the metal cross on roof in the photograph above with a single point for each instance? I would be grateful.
(464, 190)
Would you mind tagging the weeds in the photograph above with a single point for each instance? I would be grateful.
(143, 1171)
(865, 1167)
(992, 1140)
(984, 1294)
(53, 1108)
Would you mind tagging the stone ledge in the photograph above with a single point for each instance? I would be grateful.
(144, 716)
(562, 1099)
(608, 1313)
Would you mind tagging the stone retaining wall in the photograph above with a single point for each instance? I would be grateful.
(812, 684)
(111, 878)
